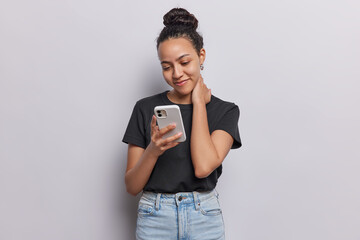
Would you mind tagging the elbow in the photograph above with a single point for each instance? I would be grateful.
(205, 169)
(202, 172)
(131, 192)
(130, 189)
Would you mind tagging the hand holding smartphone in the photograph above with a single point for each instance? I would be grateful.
(169, 114)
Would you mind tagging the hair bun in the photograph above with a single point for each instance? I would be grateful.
(180, 17)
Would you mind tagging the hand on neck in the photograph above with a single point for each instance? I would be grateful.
(178, 98)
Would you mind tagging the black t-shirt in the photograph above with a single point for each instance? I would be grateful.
(174, 171)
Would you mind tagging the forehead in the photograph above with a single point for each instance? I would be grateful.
(172, 48)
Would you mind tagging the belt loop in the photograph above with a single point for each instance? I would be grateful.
(196, 200)
(157, 202)
(216, 193)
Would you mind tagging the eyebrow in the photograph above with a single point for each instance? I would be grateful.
(177, 58)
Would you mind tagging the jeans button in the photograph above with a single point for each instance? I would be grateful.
(180, 198)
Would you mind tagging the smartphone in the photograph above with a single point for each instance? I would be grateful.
(169, 114)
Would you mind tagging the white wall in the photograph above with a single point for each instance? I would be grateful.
(71, 71)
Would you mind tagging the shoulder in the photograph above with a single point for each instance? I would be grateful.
(149, 102)
(222, 105)
(149, 99)
(224, 115)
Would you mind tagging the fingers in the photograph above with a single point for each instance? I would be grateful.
(202, 83)
(167, 143)
(170, 145)
(166, 129)
(153, 122)
(172, 138)
(159, 144)
(170, 141)
(158, 134)
(201, 78)
(206, 90)
(154, 128)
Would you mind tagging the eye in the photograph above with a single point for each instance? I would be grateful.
(165, 68)
(184, 63)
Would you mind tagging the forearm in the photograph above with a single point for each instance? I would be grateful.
(203, 153)
(137, 177)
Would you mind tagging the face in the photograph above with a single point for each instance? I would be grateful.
(180, 64)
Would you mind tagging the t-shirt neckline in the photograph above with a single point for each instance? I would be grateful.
(167, 101)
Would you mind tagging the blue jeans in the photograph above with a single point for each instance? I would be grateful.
(180, 216)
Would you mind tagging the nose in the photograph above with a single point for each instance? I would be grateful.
(177, 73)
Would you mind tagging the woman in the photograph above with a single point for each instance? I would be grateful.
(178, 180)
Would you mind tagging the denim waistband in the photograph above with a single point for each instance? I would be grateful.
(176, 198)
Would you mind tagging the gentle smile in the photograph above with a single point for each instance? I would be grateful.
(181, 83)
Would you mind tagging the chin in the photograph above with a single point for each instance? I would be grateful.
(184, 91)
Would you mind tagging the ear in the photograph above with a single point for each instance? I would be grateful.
(202, 56)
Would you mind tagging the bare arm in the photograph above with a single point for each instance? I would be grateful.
(207, 151)
(141, 162)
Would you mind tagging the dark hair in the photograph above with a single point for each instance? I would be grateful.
(180, 23)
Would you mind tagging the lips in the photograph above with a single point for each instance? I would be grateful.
(181, 83)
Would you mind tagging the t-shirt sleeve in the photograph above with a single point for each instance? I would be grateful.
(135, 131)
(229, 123)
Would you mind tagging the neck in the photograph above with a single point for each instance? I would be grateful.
(179, 99)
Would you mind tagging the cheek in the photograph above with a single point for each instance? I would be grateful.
(167, 77)
(193, 71)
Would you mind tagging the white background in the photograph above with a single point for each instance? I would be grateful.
(71, 72)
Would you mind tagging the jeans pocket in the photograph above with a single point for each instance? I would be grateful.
(145, 208)
(210, 207)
